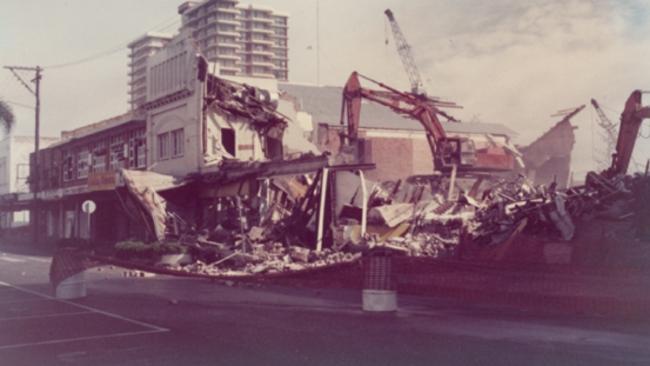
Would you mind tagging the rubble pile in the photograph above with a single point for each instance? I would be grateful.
(275, 229)
(253, 253)
(506, 209)
(274, 258)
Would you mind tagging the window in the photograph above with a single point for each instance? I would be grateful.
(99, 157)
(178, 143)
(140, 151)
(117, 156)
(68, 166)
(83, 163)
(228, 140)
(163, 146)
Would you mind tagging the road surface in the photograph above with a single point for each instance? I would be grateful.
(161, 320)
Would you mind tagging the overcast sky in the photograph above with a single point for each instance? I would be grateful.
(507, 61)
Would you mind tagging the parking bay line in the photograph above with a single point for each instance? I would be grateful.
(151, 328)
(87, 338)
(53, 315)
(10, 258)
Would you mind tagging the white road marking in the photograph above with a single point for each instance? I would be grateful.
(39, 259)
(22, 301)
(11, 259)
(98, 311)
(65, 340)
(152, 328)
(46, 315)
(15, 259)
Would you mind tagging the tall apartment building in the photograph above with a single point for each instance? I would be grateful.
(140, 49)
(243, 40)
(280, 46)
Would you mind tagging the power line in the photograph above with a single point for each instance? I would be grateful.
(86, 59)
(158, 27)
(19, 104)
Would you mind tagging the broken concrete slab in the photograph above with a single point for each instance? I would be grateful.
(391, 215)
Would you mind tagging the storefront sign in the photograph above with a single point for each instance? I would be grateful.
(104, 181)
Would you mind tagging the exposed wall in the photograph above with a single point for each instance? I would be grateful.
(548, 158)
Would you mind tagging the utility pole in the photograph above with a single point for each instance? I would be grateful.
(34, 171)
(317, 42)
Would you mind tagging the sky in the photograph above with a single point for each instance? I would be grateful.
(505, 61)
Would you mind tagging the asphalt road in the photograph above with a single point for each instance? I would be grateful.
(170, 321)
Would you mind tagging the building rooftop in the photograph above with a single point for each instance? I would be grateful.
(255, 7)
(324, 104)
(149, 35)
(67, 136)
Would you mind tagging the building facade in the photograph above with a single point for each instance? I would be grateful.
(190, 123)
(14, 174)
(244, 40)
(84, 165)
(14, 161)
(193, 122)
(139, 50)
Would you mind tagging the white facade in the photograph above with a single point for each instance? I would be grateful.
(184, 134)
(14, 162)
(174, 119)
(139, 51)
(14, 172)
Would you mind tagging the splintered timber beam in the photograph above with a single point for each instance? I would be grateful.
(321, 210)
(364, 204)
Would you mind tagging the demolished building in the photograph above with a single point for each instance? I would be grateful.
(202, 136)
(395, 144)
(548, 158)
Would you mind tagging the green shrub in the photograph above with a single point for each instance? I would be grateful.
(169, 248)
(129, 249)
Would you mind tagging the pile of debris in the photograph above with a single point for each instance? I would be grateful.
(219, 252)
(273, 231)
(418, 220)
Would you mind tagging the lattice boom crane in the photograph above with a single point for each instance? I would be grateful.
(404, 50)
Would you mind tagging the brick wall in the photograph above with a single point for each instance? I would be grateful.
(395, 157)
(422, 159)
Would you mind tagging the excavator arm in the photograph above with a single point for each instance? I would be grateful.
(418, 107)
(631, 118)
